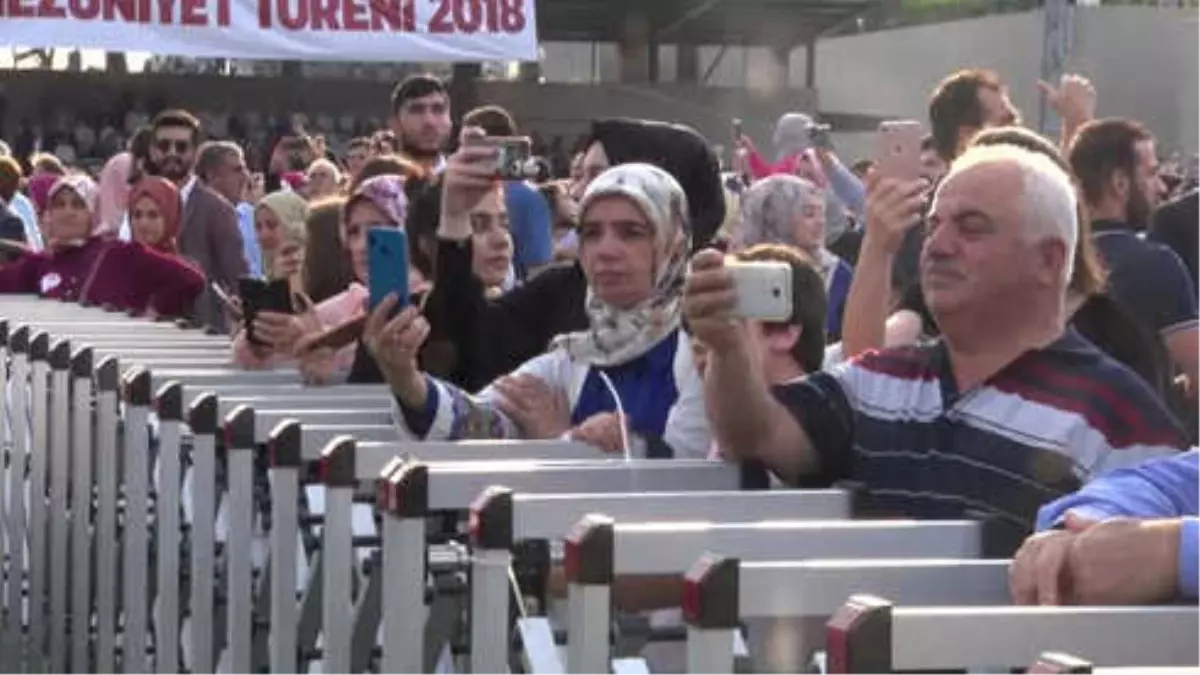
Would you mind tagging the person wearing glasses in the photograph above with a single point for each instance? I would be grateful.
(210, 235)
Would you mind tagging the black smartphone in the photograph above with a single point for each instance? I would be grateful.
(259, 295)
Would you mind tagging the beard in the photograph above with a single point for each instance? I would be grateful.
(1139, 209)
(173, 169)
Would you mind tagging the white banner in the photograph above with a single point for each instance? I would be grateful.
(307, 30)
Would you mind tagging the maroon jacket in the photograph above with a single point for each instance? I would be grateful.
(126, 275)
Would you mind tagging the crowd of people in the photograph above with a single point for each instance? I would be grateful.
(1010, 335)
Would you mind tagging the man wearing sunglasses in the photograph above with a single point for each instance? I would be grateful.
(209, 234)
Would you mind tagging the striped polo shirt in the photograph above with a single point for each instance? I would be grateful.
(894, 421)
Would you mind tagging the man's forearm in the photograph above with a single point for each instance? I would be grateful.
(867, 305)
(747, 421)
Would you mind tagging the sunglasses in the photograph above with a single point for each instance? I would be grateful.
(164, 146)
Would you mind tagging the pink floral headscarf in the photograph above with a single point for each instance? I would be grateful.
(386, 192)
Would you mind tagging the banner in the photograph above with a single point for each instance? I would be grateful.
(306, 30)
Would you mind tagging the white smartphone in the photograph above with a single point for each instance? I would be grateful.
(764, 290)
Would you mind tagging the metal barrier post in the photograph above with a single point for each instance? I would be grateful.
(239, 475)
(202, 418)
(404, 497)
(39, 352)
(284, 449)
(82, 555)
(169, 405)
(136, 536)
(60, 471)
(106, 542)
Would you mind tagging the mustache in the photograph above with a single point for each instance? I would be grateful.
(942, 269)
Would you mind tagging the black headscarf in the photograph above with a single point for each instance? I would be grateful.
(680, 151)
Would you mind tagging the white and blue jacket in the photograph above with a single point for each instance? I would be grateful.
(661, 392)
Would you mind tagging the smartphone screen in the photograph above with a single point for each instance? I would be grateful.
(387, 264)
(262, 296)
(898, 149)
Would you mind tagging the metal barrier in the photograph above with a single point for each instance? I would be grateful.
(162, 510)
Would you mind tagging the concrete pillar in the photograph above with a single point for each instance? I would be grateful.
(810, 64)
(464, 88)
(530, 71)
(768, 73)
(636, 50)
(687, 63)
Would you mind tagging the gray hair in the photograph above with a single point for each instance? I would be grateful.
(212, 153)
(770, 207)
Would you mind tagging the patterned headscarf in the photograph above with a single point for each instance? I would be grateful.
(770, 207)
(617, 336)
(386, 192)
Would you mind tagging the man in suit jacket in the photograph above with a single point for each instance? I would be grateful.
(209, 234)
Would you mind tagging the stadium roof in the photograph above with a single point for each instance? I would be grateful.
(751, 22)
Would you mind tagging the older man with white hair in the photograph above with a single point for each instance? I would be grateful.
(1007, 410)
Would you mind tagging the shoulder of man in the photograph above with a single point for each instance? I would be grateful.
(1117, 402)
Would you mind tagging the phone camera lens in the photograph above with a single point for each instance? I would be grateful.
(775, 292)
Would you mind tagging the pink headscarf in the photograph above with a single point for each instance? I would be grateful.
(83, 186)
(114, 192)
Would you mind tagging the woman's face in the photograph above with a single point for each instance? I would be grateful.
(268, 228)
(68, 216)
(617, 251)
(363, 216)
(594, 162)
(566, 207)
(809, 226)
(289, 259)
(147, 222)
(321, 184)
(492, 244)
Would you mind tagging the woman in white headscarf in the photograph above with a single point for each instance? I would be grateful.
(790, 210)
(627, 382)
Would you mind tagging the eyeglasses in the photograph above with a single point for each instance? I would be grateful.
(164, 146)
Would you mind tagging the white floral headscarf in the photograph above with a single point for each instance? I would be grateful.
(617, 336)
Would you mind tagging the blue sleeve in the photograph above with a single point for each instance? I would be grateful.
(1189, 557)
(1160, 488)
(839, 293)
(529, 221)
(846, 185)
(250, 248)
(1175, 296)
(419, 421)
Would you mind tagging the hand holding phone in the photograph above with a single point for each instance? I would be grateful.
(387, 265)
(513, 155)
(258, 295)
(764, 290)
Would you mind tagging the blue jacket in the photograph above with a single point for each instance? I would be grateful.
(1160, 488)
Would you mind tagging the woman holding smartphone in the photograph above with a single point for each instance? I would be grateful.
(626, 383)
